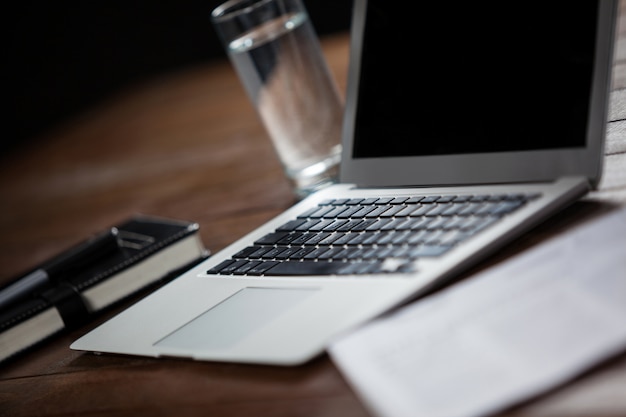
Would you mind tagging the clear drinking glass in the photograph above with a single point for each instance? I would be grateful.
(276, 53)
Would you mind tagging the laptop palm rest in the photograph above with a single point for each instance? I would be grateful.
(230, 321)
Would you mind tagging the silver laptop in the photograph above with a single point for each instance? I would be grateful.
(466, 124)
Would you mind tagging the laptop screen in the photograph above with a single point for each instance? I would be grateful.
(453, 93)
(474, 77)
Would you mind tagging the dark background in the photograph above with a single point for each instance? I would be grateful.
(66, 56)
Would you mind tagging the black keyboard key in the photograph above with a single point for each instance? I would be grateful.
(353, 268)
(232, 267)
(398, 200)
(307, 225)
(217, 268)
(316, 238)
(364, 211)
(301, 253)
(370, 253)
(344, 238)
(305, 268)
(485, 209)
(438, 209)
(465, 198)
(259, 252)
(446, 199)
(495, 197)
(330, 253)
(418, 237)
(438, 223)
(357, 253)
(407, 224)
(349, 225)
(261, 268)
(348, 212)
(287, 240)
(361, 238)
(392, 211)
(336, 211)
(469, 209)
(478, 198)
(453, 210)
(287, 253)
(317, 252)
(244, 253)
(393, 224)
(455, 223)
(515, 197)
(272, 253)
(370, 238)
(378, 225)
(360, 268)
(400, 238)
(414, 200)
(271, 238)
(480, 224)
(433, 237)
(369, 201)
(346, 253)
(354, 201)
(430, 199)
(421, 223)
(453, 237)
(422, 210)
(363, 225)
(384, 200)
(318, 227)
(407, 210)
(377, 211)
(384, 238)
(335, 225)
(303, 238)
(330, 239)
(243, 269)
(383, 252)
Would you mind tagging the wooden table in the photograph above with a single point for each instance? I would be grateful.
(190, 146)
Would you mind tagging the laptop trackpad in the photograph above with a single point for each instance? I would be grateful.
(230, 321)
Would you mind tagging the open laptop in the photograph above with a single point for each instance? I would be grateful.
(466, 124)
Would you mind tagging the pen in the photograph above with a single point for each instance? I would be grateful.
(49, 272)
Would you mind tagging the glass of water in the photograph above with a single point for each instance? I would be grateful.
(276, 53)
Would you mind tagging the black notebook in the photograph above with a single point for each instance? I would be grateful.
(146, 251)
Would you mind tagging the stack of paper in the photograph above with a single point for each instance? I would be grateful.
(501, 337)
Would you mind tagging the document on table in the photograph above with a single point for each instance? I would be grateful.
(503, 336)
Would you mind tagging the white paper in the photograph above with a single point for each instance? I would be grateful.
(500, 337)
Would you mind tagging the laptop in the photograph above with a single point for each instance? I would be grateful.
(466, 124)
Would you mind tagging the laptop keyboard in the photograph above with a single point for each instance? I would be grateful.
(370, 235)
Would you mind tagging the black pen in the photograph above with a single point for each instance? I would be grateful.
(75, 257)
